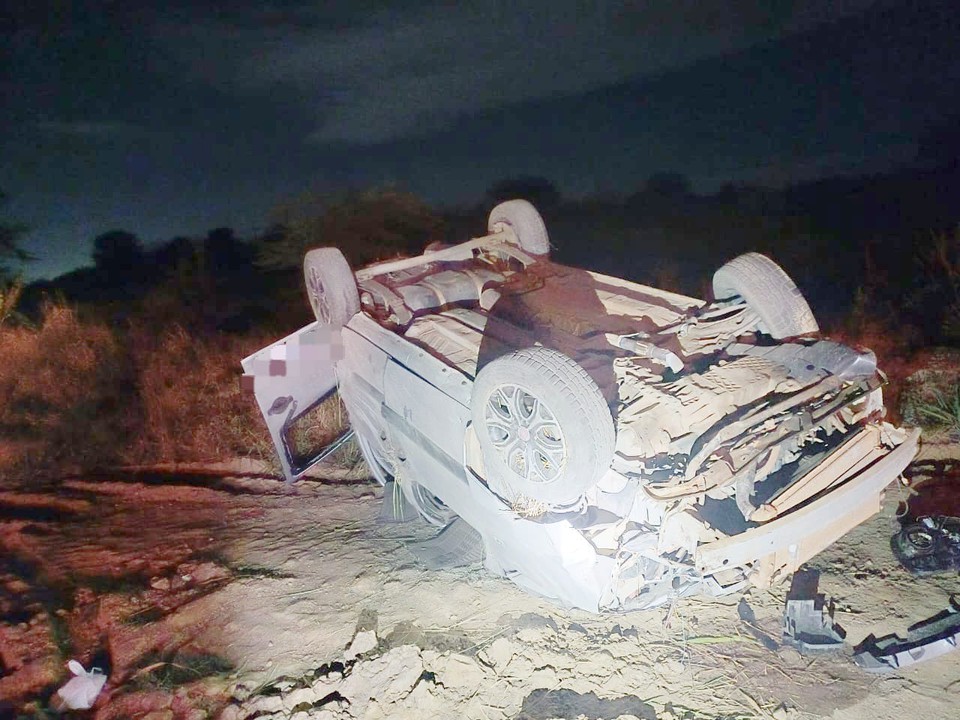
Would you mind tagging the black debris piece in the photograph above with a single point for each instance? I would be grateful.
(808, 619)
(928, 545)
(926, 640)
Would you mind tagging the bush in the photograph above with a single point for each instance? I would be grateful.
(367, 226)
(189, 391)
(933, 303)
(69, 399)
(10, 293)
(78, 395)
(942, 410)
(931, 391)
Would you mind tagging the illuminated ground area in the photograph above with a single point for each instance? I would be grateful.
(207, 595)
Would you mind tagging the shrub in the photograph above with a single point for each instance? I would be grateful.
(942, 410)
(10, 293)
(931, 391)
(78, 395)
(189, 389)
(366, 226)
(69, 400)
(933, 303)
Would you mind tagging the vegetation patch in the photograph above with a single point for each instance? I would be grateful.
(122, 584)
(68, 388)
(80, 395)
(60, 635)
(942, 410)
(258, 571)
(168, 671)
(930, 396)
(146, 616)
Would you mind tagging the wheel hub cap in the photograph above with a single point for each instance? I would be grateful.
(525, 434)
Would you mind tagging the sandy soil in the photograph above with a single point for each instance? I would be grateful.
(227, 594)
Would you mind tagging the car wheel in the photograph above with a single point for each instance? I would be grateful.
(380, 465)
(331, 286)
(921, 548)
(526, 223)
(918, 538)
(545, 431)
(769, 292)
(430, 507)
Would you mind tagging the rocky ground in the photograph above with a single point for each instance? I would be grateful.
(223, 593)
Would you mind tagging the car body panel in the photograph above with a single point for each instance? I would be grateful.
(288, 378)
(783, 544)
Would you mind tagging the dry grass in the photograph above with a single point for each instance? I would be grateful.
(65, 395)
(75, 395)
(189, 390)
(319, 426)
(10, 293)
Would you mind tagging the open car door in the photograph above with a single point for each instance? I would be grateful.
(290, 378)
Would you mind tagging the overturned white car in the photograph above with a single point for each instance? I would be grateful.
(612, 445)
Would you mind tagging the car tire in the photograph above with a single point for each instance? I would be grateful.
(526, 223)
(379, 464)
(919, 548)
(539, 402)
(919, 538)
(431, 508)
(769, 292)
(331, 287)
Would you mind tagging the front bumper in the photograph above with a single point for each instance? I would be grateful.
(780, 546)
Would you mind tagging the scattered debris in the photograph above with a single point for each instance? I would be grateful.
(807, 619)
(928, 541)
(930, 545)
(926, 640)
(81, 691)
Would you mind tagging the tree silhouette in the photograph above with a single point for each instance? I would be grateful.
(225, 253)
(118, 254)
(10, 249)
(11, 286)
(169, 255)
(366, 226)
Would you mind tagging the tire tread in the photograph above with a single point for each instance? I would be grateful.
(770, 292)
(573, 386)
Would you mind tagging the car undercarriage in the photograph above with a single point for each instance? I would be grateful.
(610, 445)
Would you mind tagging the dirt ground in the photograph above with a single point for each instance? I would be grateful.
(224, 593)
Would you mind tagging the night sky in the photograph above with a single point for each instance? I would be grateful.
(174, 117)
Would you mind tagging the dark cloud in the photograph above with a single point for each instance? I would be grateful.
(400, 69)
(91, 130)
(176, 116)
